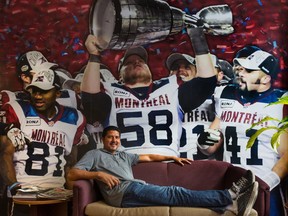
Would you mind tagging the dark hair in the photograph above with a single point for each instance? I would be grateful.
(110, 128)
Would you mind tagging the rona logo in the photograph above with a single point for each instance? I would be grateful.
(227, 104)
(33, 121)
(120, 92)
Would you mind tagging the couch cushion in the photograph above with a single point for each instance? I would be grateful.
(102, 209)
(153, 172)
(200, 175)
(186, 211)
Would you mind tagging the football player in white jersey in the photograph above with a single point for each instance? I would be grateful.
(149, 113)
(54, 130)
(28, 62)
(237, 108)
(194, 122)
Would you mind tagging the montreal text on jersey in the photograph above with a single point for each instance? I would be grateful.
(49, 137)
(133, 103)
(242, 117)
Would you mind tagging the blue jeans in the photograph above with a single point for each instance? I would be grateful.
(276, 202)
(138, 194)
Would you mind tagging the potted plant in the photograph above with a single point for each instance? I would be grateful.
(282, 126)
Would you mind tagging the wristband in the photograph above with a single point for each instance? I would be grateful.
(13, 185)
(198, 41)
(94, 58)
(272, 179)
(202, 146)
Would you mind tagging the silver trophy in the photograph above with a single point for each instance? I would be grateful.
(120, 24)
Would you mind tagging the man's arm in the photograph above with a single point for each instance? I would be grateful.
(91, 78)
(280, 169)
(96, 105)
(194, 92)
(78, 174)
(71, 160)
(159, 158)
(7, 169)
(204, 64)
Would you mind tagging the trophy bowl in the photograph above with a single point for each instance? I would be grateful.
(120, 24)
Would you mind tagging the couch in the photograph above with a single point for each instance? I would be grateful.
(199, 175)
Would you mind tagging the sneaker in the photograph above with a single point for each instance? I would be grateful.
(243, 183)
(246, 200)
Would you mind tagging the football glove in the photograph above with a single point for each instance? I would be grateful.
(209, 137)
(84, 139)
(18, 138)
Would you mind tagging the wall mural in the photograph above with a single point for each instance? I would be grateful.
(58, 28)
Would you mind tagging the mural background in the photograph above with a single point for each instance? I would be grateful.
(58, 28)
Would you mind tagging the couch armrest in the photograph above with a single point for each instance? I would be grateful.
(262, 204)
(83, 194)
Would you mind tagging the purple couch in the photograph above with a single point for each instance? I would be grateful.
(200, 175)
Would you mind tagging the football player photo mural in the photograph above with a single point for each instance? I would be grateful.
(132, 41)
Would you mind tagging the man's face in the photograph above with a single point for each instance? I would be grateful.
(111, 141)
(248, 80)
(43, 100)
(135, 70)
(183, 70)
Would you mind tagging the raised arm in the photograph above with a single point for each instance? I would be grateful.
(194, 92)
(91, 77)
(204, 62)
(96, 104)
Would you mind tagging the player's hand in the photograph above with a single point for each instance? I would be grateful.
(195, 22)
(84, 139)
(18, 138)
(209, 137)
(91, 45)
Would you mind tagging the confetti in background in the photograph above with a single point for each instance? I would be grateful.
(58, 28)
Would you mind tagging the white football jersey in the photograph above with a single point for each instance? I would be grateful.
(42, 161)
(237, 115)
(149, 126)
(194, 123)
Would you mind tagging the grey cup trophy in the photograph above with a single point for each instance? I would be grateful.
(120, 24)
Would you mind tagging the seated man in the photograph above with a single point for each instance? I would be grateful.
(112, 171)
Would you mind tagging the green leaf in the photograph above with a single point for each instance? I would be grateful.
(282, 126)
(265, 119)
(284, 120)
(282, 100)
(256, 134)
(275, 140)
